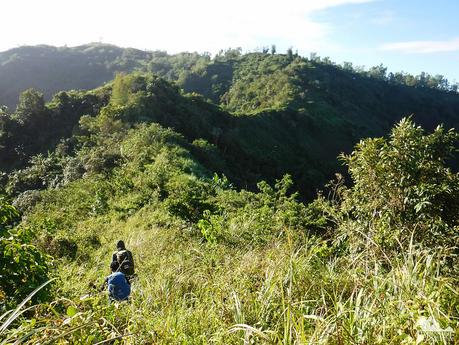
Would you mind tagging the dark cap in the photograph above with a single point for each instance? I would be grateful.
(120, 245)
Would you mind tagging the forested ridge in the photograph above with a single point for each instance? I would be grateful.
(266, 113)
(53, 69)
(267, 198)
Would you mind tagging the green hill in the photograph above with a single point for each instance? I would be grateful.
(51, 69)
(227, 249)
(265, 115)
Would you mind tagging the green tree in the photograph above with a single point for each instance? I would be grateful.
(403, 187)
(378, 72)
(31, 103)
(290, 53)
(120, 90)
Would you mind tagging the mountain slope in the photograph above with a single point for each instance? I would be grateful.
(50, 69)
(231, 259)
(260, 116)
(218, 265)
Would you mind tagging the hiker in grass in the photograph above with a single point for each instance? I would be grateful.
(125, 260)
(118, 286)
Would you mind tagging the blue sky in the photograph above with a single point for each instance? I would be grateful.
(404, 35)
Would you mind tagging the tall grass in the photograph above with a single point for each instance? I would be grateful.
(288, 291)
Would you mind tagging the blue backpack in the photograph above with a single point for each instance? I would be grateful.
(118, 287)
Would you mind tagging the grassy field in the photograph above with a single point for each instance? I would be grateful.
(291, 290)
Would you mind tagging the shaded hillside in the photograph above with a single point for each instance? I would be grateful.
(50, 69)
(258, 82)
(245, 148)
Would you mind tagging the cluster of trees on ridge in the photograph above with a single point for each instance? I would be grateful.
(263, 114)
(52, 69)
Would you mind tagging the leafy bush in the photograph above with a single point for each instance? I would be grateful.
(23, 267)
(25, 201)
(209, 155)
(44, 171)
(188, 197)
(58, 246)
(246, 218)
(403, 188)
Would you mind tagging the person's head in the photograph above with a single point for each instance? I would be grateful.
(114, 266)
(120, 245)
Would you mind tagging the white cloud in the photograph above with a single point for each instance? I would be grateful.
(173, 25)
(423, 47)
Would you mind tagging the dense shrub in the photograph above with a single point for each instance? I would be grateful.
(188, 197)
(26, 201)
(23, 267)
(403, 189)
(58, 246)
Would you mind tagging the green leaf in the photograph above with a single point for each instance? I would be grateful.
(71, 311)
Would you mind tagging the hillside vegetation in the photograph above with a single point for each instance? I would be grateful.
(51, 69)
(373, 260)
(264, 115)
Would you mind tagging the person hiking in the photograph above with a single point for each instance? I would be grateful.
(124, 259)
(118, 286)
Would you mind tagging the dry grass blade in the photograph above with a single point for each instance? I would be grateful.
(249, 329)
(73, 330)
(111, 339)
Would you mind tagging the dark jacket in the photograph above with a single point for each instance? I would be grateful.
(129, 257)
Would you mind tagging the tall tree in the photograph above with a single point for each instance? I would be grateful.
(30, 102)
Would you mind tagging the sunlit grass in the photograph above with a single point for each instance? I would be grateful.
(286, 292)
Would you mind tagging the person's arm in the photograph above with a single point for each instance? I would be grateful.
(131, 258)
(114, 257)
